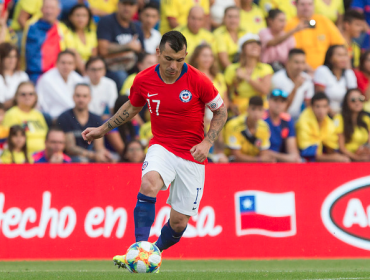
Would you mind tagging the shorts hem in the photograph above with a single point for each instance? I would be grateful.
(185, 212)
(165, 186)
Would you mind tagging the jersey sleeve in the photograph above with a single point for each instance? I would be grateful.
(136, 99)
(209, 94)
(64, 123)
(291, 129)
(321, 76)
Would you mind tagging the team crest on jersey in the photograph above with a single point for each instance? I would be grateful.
(145, 164)
(185, 96)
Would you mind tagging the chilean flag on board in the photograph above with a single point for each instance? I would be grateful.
(270, 214)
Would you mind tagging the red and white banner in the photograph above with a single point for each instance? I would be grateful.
(247, 211)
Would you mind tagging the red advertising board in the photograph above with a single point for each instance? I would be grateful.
(247, 211)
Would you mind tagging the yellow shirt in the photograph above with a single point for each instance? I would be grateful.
(32, 7)
(145, 133)
(225, 43)
(73, 41)
(354, 52)
(179, 9)
(193, 40)
(108, 6)
(359, 137)
(19, 157)
(34, 123)
(242, 91)
(125, 90)
(316, 41)
(238, 137)
(253, 21)
(287, 6)
(331, 11)
(220, 84)
(310, 134)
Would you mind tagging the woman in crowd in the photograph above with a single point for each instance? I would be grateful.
(276, 43)
(24, 113)
(17, 147)
(227, 36)
(363, 77)
(249, 77)
(80, 36)
(353, 126)
(10, 74)
(134, 152)
(334, 77)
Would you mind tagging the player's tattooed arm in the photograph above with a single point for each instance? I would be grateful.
(217, 123)
(123, 115)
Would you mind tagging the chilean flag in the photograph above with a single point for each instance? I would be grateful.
(270, 214)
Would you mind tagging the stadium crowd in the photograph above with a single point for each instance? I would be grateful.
(293, 75)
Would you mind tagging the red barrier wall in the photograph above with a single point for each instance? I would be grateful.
(287, 211)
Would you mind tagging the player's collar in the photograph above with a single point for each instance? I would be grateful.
(183, 71)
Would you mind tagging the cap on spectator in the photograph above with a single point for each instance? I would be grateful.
(275, 93)
(248, 38)
(128, 1)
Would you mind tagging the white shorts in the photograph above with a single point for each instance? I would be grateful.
(186, 178)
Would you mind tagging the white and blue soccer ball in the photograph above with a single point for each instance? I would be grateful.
(143, 257)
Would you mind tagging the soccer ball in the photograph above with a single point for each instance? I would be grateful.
(143, 257)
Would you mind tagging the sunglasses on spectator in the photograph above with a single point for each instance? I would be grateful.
(96, 69)
(279, 93)
(23, 94)
(360, 98)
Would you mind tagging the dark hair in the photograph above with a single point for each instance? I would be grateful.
(175, 39)
(348, 127)
(93, 59)
(296, 1)
(64, 53)
(150, 5)
(12, 132)
(256, 101)
(363, 58)
(2, 107)
(294, 52)
(53, 129)
(5, 49)
(231, 8)
(194, 57)
(141, 57)
(319, 96)
(134, 141)
(273, 13)
(329, 55)
(127, 130)
(83, 85)
(351, 15)
(69, 23)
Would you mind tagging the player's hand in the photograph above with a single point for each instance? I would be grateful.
(91, 133)
(200, 151)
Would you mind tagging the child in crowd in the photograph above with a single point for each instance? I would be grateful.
(17, 147)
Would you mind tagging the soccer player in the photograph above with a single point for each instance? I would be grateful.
(176, 94)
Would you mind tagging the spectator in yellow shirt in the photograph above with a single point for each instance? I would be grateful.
(24, 10)
(331, 9)
(353, 126)
(17, 151)
(248, 137)
(4, 31)
(315, 40)
(287, 6)
(103, 7)
(316, 132)
(79, 37)
(249, 77)
(175, 13)
(227, 37)
(251, 17)
(194, 32)
(25, 114)
(353, 22)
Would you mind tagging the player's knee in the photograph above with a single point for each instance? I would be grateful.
(178, 225)
(148, 188)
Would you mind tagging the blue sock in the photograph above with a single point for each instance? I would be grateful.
(168, 237)
(144, 214)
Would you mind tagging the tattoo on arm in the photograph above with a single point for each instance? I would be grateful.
(118, 119)
(217, 123)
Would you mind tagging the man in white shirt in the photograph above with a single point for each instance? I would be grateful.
(55, 88)
(103, 90)
(297, 83)
(149, 17)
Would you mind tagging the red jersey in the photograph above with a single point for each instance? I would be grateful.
(176, 110)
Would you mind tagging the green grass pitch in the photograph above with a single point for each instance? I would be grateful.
(183, 269)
